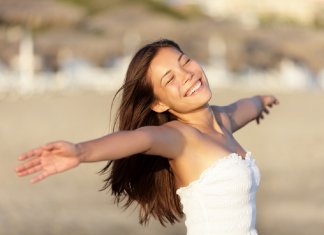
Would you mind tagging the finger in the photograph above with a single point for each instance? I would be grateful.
(276, 101)
(30, 171)
(266, 110)
(257, 120)
(27, 165)
(49, 146)
(32, 153)
(25, 156)
(39, 177)
(271, 104)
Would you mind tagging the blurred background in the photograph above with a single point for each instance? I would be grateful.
(61, 62)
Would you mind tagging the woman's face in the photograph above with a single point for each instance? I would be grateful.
(179, 82)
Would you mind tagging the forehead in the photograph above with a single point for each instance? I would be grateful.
(166, 56)
(165, 60)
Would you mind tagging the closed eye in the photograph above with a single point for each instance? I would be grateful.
(169, 80)
(186, 61)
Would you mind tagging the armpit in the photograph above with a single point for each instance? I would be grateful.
(222, 117)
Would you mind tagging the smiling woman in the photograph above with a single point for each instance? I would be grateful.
(174, 153)
(176, 79)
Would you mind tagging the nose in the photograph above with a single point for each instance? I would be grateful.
(189, 75)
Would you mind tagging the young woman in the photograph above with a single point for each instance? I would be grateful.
(174, 154)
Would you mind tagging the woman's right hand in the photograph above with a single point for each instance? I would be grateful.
(49, 159)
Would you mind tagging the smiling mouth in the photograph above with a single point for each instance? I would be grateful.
(194, 88)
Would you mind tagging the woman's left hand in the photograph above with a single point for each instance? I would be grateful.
(267, 101)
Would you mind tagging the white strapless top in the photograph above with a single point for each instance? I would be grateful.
(222, 200)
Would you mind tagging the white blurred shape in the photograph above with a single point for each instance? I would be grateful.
(26, 62)
(294, 76)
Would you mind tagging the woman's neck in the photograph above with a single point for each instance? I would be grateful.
(202, 119)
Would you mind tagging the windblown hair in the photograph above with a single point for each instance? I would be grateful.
(147, 180)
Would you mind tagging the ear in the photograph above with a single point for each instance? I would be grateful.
(159, 107)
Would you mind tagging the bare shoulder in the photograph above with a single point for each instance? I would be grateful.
(167, 140)
(184, 129)
(171, 127)
(222, 116)
(165, 131)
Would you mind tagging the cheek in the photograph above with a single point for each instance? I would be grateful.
(173, 91)
(167, 95)
(194, 66)
(170, 95)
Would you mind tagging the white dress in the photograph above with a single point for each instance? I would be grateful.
(222, 200)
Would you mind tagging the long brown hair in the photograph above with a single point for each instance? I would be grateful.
(147, 180)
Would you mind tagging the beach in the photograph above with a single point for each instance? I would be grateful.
(288, 147)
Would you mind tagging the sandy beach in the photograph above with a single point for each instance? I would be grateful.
(288, 147)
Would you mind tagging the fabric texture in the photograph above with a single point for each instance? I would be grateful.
(222, 201)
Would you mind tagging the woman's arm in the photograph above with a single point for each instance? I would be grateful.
(115, 146)
(154, 140)
(245, 110)
(59, 156)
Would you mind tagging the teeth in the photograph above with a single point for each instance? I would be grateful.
(196, 87)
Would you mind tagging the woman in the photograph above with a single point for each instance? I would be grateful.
(174, 154)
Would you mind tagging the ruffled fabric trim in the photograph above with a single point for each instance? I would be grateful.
(217, 164)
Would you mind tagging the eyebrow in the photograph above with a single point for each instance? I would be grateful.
(179, 58)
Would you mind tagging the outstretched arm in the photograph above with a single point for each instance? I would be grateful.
(59, 156)
(245, 110)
